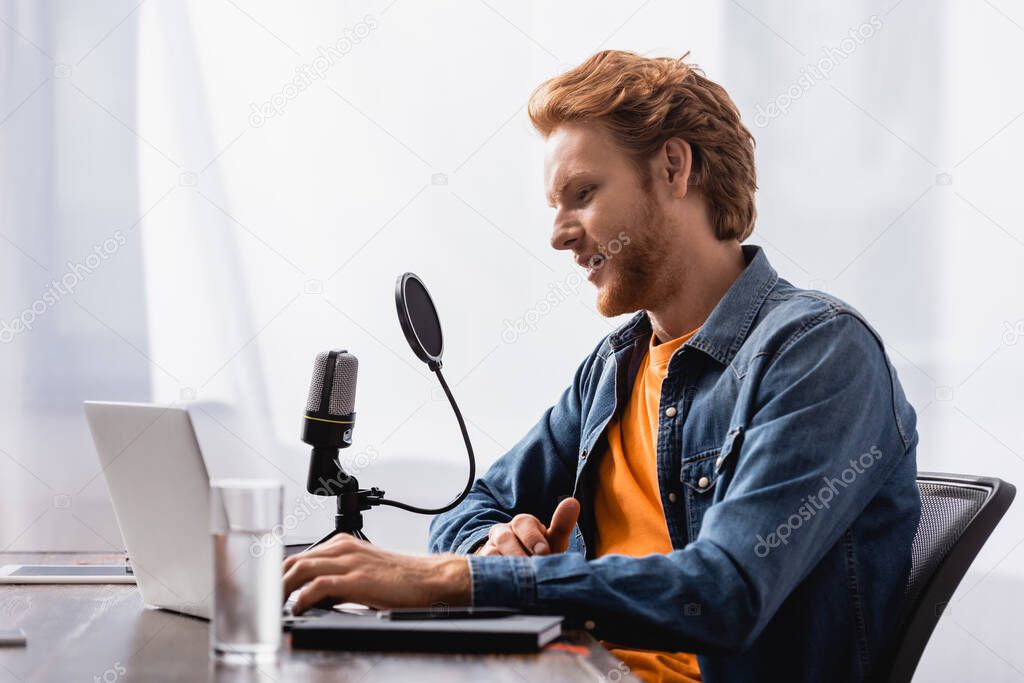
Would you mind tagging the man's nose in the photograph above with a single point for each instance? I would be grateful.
(565, 235)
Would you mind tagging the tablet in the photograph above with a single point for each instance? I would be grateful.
(65, 573)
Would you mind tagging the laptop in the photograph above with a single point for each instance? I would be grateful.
(160, 490)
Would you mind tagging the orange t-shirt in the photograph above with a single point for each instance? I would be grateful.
(627, 502)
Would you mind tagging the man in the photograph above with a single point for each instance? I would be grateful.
(727, 489)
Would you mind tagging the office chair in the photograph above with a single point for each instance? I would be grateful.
(958, 513)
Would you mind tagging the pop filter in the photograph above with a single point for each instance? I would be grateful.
(418, 318)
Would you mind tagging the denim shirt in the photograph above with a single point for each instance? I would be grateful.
(786, 460)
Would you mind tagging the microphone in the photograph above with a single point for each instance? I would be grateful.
(330, 417)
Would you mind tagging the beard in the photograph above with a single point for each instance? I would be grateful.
(637, 277)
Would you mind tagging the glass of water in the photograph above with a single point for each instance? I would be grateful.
(245, 522)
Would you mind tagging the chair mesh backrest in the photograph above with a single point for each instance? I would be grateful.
(946, 511)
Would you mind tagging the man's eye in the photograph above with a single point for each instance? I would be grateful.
(585, 194)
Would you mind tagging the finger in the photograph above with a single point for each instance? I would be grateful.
(504, 539)
(329, 548)
(339, 545)
(488, 549)
(302, 572)
(318, 589)
(308, 569)
(562, 523)
(530, 532)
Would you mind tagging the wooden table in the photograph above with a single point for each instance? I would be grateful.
(103, 633)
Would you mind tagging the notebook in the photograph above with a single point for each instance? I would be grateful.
(517, 633)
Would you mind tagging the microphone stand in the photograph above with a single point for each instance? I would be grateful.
(351, 501)
(328, 478)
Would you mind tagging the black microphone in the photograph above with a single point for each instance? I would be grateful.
(330, 417)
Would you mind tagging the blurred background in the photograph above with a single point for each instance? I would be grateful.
(197, 197)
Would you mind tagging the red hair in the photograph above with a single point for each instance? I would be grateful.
(645, 101)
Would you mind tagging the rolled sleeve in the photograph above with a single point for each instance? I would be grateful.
(499, 581)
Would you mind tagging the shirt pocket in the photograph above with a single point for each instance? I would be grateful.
(701, 474)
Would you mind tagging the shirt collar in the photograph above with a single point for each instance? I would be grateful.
(661, 354)
(726, 328)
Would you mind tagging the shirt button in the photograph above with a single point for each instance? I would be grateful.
(670, 411)
(703, 482)
(589, 625)
(672, 497)
(718, 462)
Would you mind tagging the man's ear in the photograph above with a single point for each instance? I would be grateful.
(676, 165)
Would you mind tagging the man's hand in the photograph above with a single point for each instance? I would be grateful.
(347, 569)
(527, 535)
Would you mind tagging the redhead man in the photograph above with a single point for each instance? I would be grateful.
(726, 491)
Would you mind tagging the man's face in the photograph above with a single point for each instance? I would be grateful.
(615, 227)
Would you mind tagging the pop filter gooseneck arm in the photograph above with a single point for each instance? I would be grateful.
(421, 326)
(435, 366)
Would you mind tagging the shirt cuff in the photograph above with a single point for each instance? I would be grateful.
(469, 545)
(498, 581)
